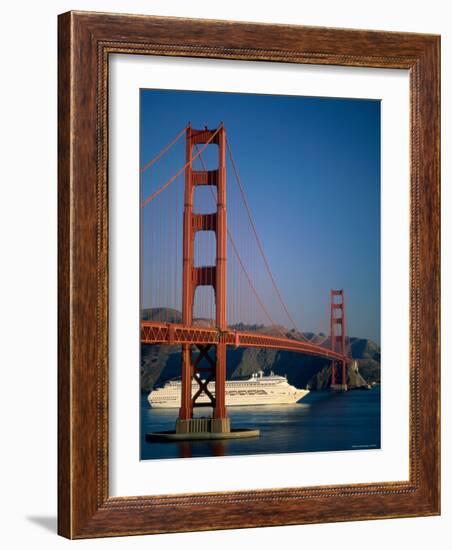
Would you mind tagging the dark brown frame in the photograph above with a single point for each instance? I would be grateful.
(85, 42)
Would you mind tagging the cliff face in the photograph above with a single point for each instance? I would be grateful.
(161, 363)
(322, 380)
(369, 356)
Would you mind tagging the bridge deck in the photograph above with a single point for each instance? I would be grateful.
(177, 334)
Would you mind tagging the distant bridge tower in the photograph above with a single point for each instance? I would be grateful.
(337, 335)
(208, 275)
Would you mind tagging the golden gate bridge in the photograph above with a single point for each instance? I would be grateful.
(208, 262)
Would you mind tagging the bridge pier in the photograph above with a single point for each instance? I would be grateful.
(203, 428)
(192, 434)
(203, 425)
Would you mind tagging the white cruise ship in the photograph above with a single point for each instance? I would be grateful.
(256, 390)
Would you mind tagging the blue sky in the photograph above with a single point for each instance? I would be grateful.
(311, 171)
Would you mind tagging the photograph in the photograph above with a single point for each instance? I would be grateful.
(260, 274)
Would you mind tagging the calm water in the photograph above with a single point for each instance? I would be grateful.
(322, 421)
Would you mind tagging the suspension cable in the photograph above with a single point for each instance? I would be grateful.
(259, 242)
(242, 265)
(170, 181)
(164, 150)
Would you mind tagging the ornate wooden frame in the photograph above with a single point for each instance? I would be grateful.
(85, 42)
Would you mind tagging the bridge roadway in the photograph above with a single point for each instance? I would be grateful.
(173, 334)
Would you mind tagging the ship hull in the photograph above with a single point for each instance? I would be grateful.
(237, 394)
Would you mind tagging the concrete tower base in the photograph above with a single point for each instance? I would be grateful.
(203, 428)
(199, 425)
(338, 387)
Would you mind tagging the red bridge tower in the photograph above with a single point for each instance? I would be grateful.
(209, 275)
(337, 332)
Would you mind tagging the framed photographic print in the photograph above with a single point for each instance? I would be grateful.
(248, 274)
